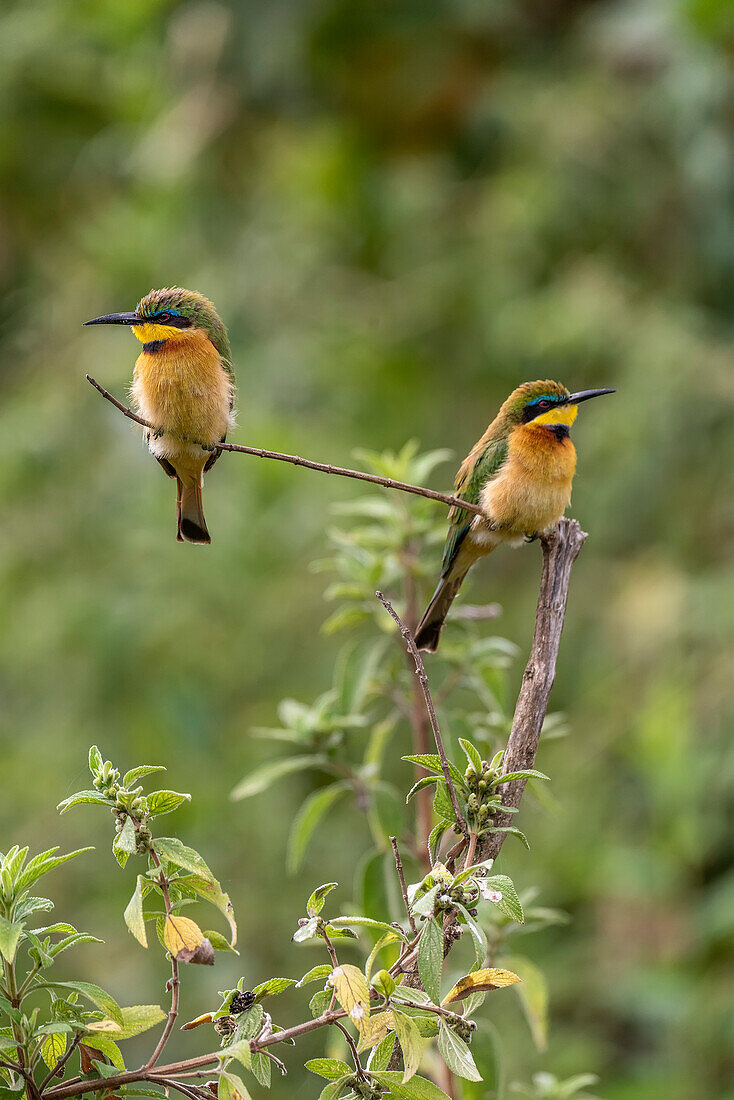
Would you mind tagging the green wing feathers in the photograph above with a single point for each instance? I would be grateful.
(482, 464)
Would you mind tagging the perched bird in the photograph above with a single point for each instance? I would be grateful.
(183, 383)
(520, 474)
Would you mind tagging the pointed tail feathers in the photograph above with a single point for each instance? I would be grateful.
(429, 628)
(191, 523)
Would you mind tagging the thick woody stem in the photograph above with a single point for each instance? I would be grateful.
(322, 467)
(560, 550)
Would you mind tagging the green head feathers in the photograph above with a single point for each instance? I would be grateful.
(185, 309)
(533, 398)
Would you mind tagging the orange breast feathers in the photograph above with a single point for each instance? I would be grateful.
(184, 389)
(533, 488)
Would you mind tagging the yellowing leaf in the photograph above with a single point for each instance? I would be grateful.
(375, 1030)
(197, 1022)
(53, 1047)
(352, 993)
(182, 937)
(479, 982)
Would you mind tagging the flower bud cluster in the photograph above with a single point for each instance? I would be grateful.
(483, 802)
(367, 1088)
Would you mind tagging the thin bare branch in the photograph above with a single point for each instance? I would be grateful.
(560, 550)
(423, 678)
(353, 1047)
(401, 876)
(322, 467)
(174, 981)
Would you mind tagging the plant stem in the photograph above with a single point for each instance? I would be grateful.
(423, 679)
(401, 876)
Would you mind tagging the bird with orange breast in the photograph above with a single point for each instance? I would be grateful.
(520, 473)
(183, 383)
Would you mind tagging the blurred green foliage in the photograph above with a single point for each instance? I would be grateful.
(401, 210)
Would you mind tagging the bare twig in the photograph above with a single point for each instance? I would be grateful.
(560, 550)
(421, 674)
(322, 467)
(401, 876)
(353, 1047)
(174, 980)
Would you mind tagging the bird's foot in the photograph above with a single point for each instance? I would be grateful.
(208, 446)
(532, 538)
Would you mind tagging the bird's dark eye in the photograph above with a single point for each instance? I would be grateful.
(544, 404)
(163, 317)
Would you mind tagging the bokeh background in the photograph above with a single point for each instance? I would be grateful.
(402, 211)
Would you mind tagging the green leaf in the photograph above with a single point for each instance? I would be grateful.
(10, 933)
(164, 802)
(434, 837)
(307, 931)
(220, 942)
(431, 761)
(170, 848)
(311, 812)
(264, 777)
(383, 982)
(330, 1068)
(239, 1050)
(107, 1046)
(42, 864)
(480, 940)
(430, 959)
(472, 754)
(510, 904)
(423, 906)
(442, 802)
(211, 891)
(53, 1047)
(126, 840)
(382, 1053)
(320, 1001)
(93, 993)
(96, 762)
(231, 1087)
(368, 922)
(533, 993)
(528, 773)
(418, 1088)
(134, 914)
(410, 1043)
(315, 903)
(316, 974)
(131, 777)
(71, 941)
(272, 987)
(426, 781)
(92, 797)
(262, 1068)
(513, 830)
(456, 1054)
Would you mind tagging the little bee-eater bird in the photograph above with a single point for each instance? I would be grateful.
(520, 474)
(183, 383)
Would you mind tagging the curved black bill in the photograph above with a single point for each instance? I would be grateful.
(116, 319)
(585, 395)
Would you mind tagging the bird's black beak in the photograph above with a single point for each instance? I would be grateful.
(117, 319)
(585, 395)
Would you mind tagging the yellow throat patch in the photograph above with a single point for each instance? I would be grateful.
(149, 332)
(566, 414)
